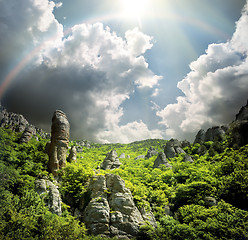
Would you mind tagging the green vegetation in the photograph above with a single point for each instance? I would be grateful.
(206, 199)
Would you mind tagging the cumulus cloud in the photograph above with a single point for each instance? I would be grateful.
(215, 89)
(87, 73)
(129, 132)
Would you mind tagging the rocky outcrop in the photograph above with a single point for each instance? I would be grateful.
(122, 156)
(161, 160)
(239, 128)
(111, 161)
(15, 122)
(139, 157)
(173, 148)
(50, 194)
(111, 210)
(27, 134)
(73, 154)
(57, 149)
(216, 133)
(151, 152)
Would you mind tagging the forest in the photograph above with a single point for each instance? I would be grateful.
(206, 199)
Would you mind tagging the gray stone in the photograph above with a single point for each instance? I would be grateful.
(210, 201)
(27, 134)
(50, 193)
(161, 160)
(139, 157)
(122, 156)
(60, 132)
(111, 210)
(15, 122)
(188, 158)
(216, 133)
(73, 154)
(151, 152)
(111, 161)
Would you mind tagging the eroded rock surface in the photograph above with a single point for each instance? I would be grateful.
(15, 122)
(111, 161)
(151, 152)
(57, 149)
(173, 148)
(239, 128)
(27, 134)
(73, 154)
(50, 193)
(212, 134)
(161, 160)
(111, 210)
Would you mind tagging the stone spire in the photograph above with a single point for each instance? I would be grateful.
(58, 147)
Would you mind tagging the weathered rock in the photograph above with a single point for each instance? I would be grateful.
(161, 160)
(243, 113)
(188, 158)
(111, 210)
(139, 157)
(216, 133)
(15, 122)
(27, 134)
(239, 128)
(173, 148)
(111, 161)
(59, 142)
(122, 156)
(73, 154)
(210, 201)
(151, 152)
(50, 193)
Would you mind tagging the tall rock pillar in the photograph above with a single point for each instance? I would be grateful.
(60, 133)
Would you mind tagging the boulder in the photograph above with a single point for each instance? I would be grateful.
(139, 157)
(73, 154)
(50, 193)
(151, 152)
(174, 147)
(216, 133)
(57, 150)
(27, 134)
(122, 156)
(111, 210)
(111, 161)
(161, 160)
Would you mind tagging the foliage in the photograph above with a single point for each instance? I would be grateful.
(218, 172)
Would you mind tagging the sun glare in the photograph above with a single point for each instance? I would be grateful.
(134, 8)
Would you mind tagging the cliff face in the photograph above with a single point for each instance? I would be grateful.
(111, 210)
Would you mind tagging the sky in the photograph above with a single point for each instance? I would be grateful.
(125, 70)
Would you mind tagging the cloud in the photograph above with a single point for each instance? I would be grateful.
(128, 133)
(215, 89)
(88, 73)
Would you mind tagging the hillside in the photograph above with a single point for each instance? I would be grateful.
(205, 198)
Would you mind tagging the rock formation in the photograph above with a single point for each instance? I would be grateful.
(27, 134)
(151, 152)
(173, 148)
(111, 161)
(57, 149)
(239, 128)
(139, 157)
(161, 160)
(15, 122)
(122, 156)
(212, 134)
(73, 154)
(111, 210)
(50, 193)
